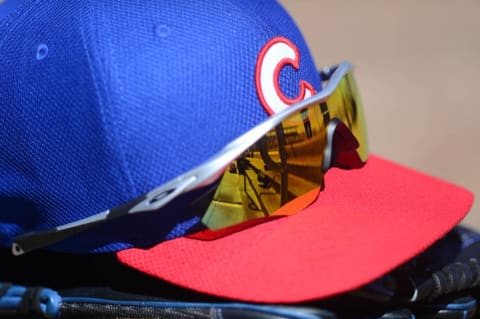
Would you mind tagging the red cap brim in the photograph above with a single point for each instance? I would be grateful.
(364, 224)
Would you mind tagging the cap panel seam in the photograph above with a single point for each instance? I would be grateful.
(260, 23)
(109, 130)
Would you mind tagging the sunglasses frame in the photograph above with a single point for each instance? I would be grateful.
(200, 176)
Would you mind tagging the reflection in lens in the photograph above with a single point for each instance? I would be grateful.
(286, 163)
(346, 105)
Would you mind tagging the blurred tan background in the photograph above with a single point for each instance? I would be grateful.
(418, 71)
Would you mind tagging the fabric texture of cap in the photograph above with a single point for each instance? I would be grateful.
(8, 6)
(103, 101)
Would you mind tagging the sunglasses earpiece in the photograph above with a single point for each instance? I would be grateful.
(341, 147)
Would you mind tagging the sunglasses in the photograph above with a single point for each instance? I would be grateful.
(275, 169)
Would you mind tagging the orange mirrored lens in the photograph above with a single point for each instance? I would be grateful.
(345, 104)
(285, 166)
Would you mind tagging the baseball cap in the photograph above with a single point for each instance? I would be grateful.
(104, 101)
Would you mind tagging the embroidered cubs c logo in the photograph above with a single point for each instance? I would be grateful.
(276, 54)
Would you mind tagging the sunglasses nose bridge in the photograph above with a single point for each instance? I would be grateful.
(341, 147)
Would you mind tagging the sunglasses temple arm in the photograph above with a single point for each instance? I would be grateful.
(39, 239)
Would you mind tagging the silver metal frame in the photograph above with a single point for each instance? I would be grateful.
(202, 175)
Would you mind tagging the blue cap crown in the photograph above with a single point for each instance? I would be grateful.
(102, 101)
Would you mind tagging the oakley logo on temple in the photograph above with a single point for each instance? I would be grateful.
(274, 56)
